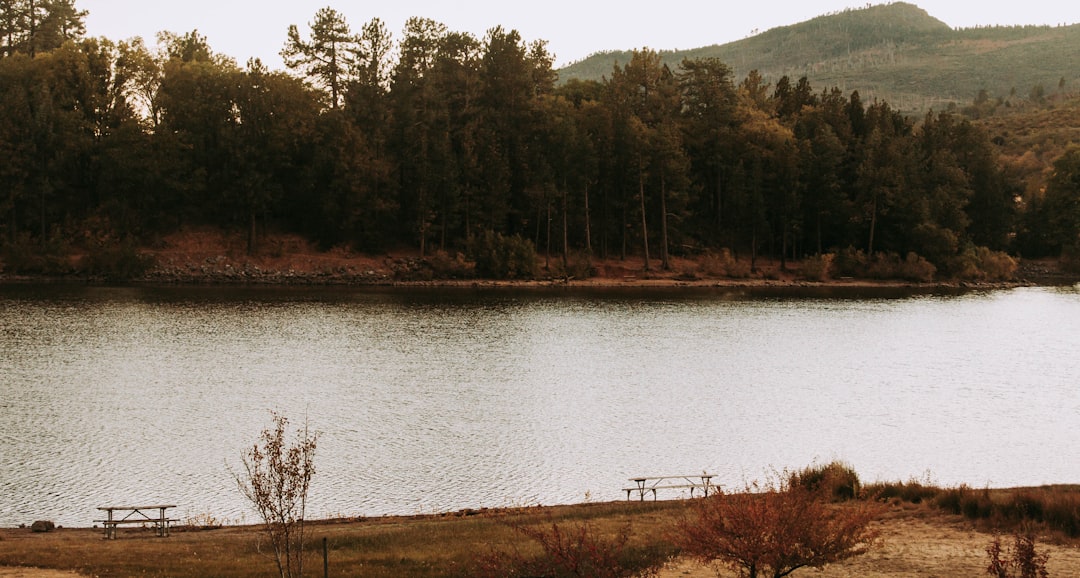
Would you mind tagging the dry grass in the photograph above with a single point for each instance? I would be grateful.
(919, 540)
(422, 546)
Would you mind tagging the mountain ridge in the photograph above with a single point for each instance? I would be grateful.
(895, 52)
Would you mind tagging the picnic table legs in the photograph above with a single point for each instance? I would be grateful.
(110, 527)
(163, 525)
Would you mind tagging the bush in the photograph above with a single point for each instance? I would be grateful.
(579, 266)
(500, 257)
(570, 550)
(854, 263)
(818, 267)
(443, 266)
(1063, 514)
(775, 529)
(913, 492)
(1058, 511)
(915, 268)
(982, 264)
(27, 256)
(836, 481)
(850, 262)
(120, 261)
(1070, 258)
(962, 500)
(723, 264)
(936, 243)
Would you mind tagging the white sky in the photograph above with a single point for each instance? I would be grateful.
(573, 29)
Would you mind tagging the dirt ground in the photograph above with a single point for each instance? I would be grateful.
(34, 573)
(916, 544)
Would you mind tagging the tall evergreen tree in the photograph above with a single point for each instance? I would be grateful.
(328, 57)
(33, 26)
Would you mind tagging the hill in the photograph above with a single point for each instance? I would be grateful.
(894, 52)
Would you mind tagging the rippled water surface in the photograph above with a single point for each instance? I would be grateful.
(439, 400)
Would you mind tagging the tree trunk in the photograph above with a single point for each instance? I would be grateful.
(783, 247)
(588, 225)
(665, 263)
(873, 225)
(251, 234)
(818, 221)
(565, 237)
(644, 223)
(753, 251)
(547, 241)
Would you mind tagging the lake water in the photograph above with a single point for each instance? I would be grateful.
(437, 400)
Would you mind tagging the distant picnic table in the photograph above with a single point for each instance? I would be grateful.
(646, 484)
(145, 515)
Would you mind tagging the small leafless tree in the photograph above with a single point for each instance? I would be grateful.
(275, 480)
(775, 530)
(1021, 562)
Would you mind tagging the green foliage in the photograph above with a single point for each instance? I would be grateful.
(328, 57)
(982, 264)
(880, 49)
(500, 257)
(461, 134)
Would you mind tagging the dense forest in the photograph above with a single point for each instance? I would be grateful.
(448, 143)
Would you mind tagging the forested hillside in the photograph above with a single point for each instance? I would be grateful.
(446, 143)
(894, 52)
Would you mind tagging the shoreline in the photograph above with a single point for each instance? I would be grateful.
(214, 258)
(249, 276)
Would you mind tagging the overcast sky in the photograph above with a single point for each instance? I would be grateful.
(574, 29)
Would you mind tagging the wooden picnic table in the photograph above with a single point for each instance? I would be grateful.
(152, 515)
(646, 484)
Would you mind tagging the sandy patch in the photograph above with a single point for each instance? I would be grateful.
(9, 572)
(913, 548)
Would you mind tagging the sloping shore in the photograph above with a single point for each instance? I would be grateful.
(918, 540)
(212, 258)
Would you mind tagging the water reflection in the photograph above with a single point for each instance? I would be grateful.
(434, 400)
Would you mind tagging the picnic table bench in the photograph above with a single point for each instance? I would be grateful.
(644, 485)
(145, 515)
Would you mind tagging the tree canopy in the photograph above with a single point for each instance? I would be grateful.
(439, 138)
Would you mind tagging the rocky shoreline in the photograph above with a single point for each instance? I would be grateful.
(407, 271)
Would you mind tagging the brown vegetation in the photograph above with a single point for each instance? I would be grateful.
(211, 256)
(918, 539)
(775, 530)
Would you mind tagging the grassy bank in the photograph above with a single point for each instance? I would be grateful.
(914, 515)
(423, 546)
